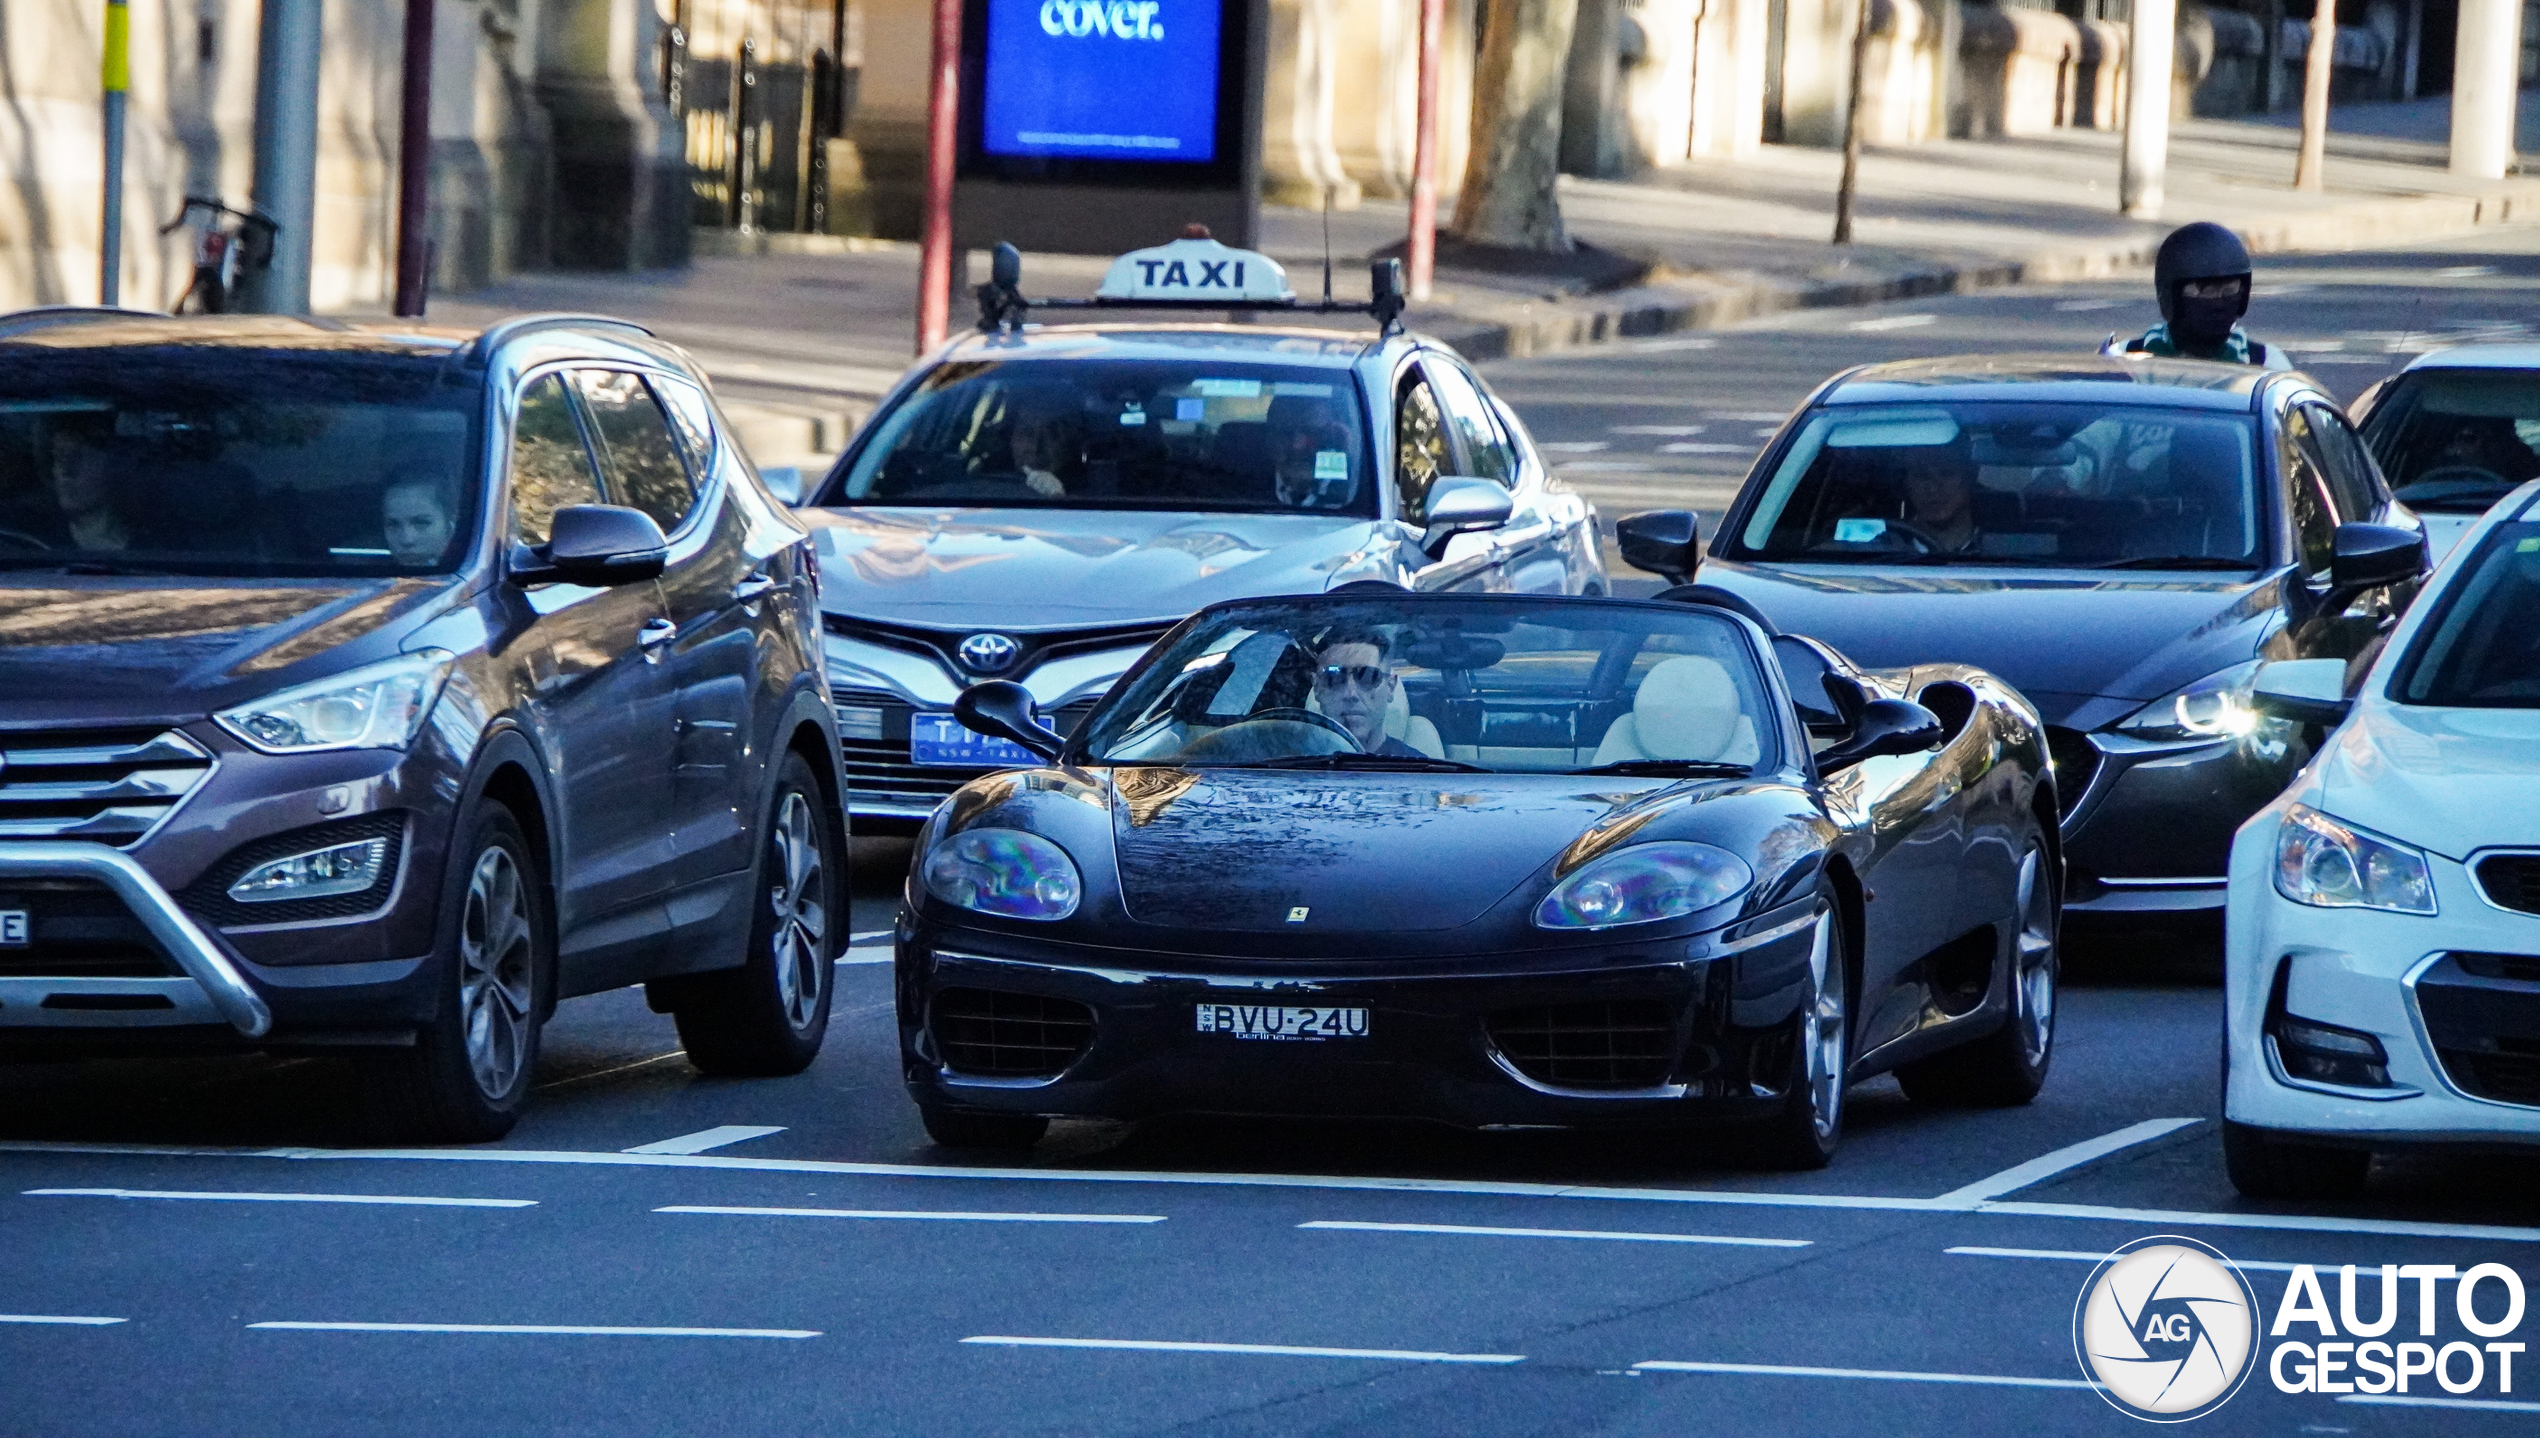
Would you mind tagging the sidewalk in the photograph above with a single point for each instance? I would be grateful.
(802, 343)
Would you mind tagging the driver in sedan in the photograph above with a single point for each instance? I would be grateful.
(1354, 684)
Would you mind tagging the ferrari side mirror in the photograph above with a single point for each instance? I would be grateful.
(2306, 691)
(1003, 709)
(1886, 726)
(1666, 542)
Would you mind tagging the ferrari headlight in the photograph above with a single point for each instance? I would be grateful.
(378, 706)
(2214, 707)
(2329, 865)
(1005, 872)
(1643, 883)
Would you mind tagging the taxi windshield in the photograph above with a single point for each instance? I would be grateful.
(1497, 683)
(1074, 433)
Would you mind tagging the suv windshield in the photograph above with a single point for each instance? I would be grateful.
(2483, 650)
(2456, 440)
(1121, 434)
(1445, 683)
(2069, 485)
(216, 461)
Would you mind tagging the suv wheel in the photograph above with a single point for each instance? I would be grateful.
(469, 1070)
(767, 1018)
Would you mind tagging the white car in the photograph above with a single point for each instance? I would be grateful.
(2455, 432)
(2382, 951)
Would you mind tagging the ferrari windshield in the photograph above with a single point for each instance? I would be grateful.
(1504, 684)
(2457, 440)
(2483, 652)
(1996, 482)
(1083, 433)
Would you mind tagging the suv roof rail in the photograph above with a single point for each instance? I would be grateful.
(504, 332)
(44, 316)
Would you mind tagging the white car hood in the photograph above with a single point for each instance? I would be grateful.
(2450, 780)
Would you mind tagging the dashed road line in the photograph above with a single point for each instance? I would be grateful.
(541, 1330)
(67, 1319)
(1890, 1375)
(2487, 1405)
(388, 1199)
(2071, 1156)
(2289, 1222)
(720, 1136)
(1893, 322)
(1674, 431)
(1609, 1234)
(938, 1216)
(1703, 447)
(1273, 1350)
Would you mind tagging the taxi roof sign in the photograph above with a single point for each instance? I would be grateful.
(1193, 272)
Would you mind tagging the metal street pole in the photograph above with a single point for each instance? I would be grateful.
(2483, 75)
(286, 154)
(935, 242)
(1420, 250)
(118, 81)
(1852, 128)
(414, 165)
(2313, 158)
(2151, 50)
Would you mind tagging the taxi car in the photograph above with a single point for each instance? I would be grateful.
(1039, 503)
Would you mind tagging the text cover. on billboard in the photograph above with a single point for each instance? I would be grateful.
(1102, 79)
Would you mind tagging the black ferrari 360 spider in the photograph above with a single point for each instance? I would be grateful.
(1491, 860)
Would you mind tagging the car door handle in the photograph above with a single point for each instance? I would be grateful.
(655, 634)
(754, 588)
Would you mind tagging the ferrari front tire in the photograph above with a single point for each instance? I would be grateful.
(2008, 1066)
(970, 1128)
(2266, 1164)
(1808, 1124)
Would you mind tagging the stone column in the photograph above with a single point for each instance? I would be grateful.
(2147, 108)
(620, 198)
(2483, 75)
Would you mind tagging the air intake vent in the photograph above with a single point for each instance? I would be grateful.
(79, 930)
(2512, 881)
(2507, 1076)
(109, 785)
(993, 1034)
(1592, 1046)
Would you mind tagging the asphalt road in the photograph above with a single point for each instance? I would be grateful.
(201, 1246)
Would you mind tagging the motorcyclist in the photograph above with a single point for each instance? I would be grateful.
(2202, 278)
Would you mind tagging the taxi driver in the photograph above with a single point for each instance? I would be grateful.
(1354, 684)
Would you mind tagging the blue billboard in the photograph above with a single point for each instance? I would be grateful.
(1102, 80)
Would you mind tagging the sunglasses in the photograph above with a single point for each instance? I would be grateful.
(1363, 676)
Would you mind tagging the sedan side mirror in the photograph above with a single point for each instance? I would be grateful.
(2306, 691)
(1886, 726)
(785, 481)
(595, 544)
(1003, 709)
(1461, 504)
(1666, 542)
(2368, 556)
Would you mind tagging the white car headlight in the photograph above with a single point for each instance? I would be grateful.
(378, 706)
(2214, 707)
(1643, 883)
(2330, 865)
(1005, 872)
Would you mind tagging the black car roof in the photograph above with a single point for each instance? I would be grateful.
(2085, 378)
(105, 330)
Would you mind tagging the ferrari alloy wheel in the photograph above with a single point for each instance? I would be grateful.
(768, 1017)
(2008, 1066)
(1809, 1125)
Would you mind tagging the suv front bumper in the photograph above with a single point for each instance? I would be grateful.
(212, 989)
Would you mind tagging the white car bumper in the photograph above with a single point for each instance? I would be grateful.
(2461, 1039)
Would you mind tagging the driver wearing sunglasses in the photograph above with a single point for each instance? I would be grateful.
(1354, 684)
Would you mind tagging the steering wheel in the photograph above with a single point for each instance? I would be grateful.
(1291, 714)
(1923, 543)
(1259, 736)
(23, 540)
(2460, 474)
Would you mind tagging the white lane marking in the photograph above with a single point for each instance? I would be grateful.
(619, 1069)
(2083, 1256)
(2463, 272)
(1458, 1228)
(868, 935)
(2398, 1228)
(721, 1135)
(2370, 359)
(557, 1329)
(390, 1199)
(1657, 430)
(1573, 446)
(946, 1216)
(1752, 416)
(2490, 1405)
(1892, 1375)
(1702, 447)
(1894, 322)
(865, 956)
(2081, 306)
(1275, 1350)
(1652, 347)
(2047, 1165)
(65, 1318)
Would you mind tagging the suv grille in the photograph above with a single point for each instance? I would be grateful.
(1608, 1045)
(110, 785)
(78, 930)
(2512, 881)
(873, 748)
(2076, 760)
(1002, 1035)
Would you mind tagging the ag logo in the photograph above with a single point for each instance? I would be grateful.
(990, 653)
(2166, 1329)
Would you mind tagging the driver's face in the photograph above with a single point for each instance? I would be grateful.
(415, 525)
(1341, 687)
(1937, 490)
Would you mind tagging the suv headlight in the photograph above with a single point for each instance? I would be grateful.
(378, 706)
(1005, 872)
(2214, 707)
(2329, 865)
(1643, 883)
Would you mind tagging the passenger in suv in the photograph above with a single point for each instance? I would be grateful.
(365, 689)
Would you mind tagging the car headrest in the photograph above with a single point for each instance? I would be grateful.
(1687, 708)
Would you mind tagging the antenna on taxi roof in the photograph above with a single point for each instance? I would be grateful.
(1327, 244)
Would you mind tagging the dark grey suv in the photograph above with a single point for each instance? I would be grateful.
(369, 689)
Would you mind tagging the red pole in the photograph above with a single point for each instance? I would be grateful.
(934, 250)
(414, 165)
(1420, 250)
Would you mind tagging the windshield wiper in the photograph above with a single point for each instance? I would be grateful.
(1671, 768)
(2175, 561)
(1408, 763)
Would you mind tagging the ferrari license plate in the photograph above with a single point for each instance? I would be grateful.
(942, 739)
(1269, 1021)
(14, 929)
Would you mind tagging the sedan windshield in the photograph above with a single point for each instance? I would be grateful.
(1121, 434)
(2456, 440)
(1993, 483)
(213, 461)
(1503, 684)
(2483, 651)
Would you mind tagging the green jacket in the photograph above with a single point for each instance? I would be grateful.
(2238, 349)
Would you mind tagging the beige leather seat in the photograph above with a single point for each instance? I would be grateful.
(1687, 708)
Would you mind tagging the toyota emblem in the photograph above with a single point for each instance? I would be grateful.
(990, 653)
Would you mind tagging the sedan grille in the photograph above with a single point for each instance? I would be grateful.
(1612, 1045)
(993, 1034)
(2482, 1010)
(2076, 759)
(2512, 881)
(109, 785)
(873, 748)
(78, 929)
(2504, 1077)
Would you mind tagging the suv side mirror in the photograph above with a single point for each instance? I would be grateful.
(595, 544)
(2368, 556)
(1886, 726)
(1461, 504)
(785, 481)
(1666, 542)
(2306, 691)
(1003, 709)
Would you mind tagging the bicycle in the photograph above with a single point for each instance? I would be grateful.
(220, 250)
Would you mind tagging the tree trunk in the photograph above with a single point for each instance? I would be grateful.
(2309, 163)
(1508, 196)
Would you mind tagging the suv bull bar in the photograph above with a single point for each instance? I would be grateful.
(212, 985)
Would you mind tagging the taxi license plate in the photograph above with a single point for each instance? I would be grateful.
(942, 739)
(15, 929)
(1269, 1021)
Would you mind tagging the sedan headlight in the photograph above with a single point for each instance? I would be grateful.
(2329, 865)
(1644, 883)
(1005, 872)
(378, 706)
(2214, 707)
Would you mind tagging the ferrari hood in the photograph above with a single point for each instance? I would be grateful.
(1007, 568)
(2450, 780)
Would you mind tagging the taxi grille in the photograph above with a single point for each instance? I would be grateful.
(109, 785)
(873, 749)
(1611, 1045)
(77, 929)
(994, 1034)
(2512, 881)
(2076, 759)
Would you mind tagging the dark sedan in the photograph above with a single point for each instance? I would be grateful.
(2121, 538)
(1488, 860)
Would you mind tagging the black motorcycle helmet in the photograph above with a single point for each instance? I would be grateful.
(2200, 255)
